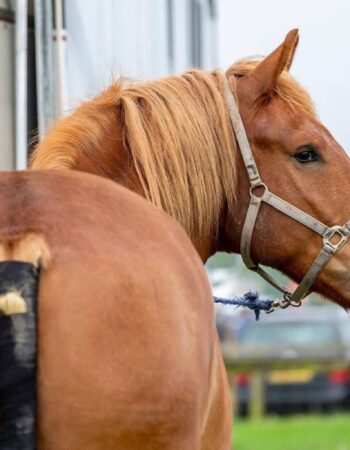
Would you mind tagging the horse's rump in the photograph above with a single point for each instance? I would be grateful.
(126, 325)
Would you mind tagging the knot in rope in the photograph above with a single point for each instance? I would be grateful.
(249, 300)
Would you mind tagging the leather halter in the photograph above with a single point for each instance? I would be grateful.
(329, 248)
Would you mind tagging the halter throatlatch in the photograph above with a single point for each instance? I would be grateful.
(339, 233)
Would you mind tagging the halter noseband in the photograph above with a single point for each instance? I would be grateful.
(328, 249)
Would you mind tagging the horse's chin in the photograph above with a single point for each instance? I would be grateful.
(333, 283)
(339, 300)
(338, 293)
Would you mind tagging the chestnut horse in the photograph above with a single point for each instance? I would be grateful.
(128, 355)
(171, 141)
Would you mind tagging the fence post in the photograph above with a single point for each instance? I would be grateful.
(256, 402)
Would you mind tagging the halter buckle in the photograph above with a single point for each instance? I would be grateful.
(343, 234)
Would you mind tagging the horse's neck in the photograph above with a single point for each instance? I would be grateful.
(125, 174)
(205, 247)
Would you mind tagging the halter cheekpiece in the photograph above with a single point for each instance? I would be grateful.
(340, 232)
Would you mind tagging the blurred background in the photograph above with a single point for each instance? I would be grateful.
(56, 53)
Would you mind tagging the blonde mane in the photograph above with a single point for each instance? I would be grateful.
(178, 135)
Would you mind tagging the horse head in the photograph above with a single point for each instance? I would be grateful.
(300, 162)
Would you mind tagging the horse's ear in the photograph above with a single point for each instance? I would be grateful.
(263, 78)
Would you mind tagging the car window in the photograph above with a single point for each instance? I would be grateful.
(291, 333)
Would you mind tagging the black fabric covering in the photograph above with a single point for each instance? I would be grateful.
(18, 349)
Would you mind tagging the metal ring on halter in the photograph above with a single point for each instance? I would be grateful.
(336, 230)
(285, 302)
(257, 186)
(288, 298)
(296, 303)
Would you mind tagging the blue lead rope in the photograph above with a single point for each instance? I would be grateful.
(249, 300)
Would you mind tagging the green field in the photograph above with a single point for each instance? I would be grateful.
(295, 433)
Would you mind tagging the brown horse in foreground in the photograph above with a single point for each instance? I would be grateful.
(128, 356)
(141, 368)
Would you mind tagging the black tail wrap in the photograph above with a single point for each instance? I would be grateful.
(18, 348)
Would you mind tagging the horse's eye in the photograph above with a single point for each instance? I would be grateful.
(307, 154)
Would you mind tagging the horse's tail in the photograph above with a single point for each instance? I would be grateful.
(21, 259)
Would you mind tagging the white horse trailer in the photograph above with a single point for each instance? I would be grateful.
(56, 53)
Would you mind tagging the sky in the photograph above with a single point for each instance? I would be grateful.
(321, 63)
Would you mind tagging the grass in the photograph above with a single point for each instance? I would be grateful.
(312, 432)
